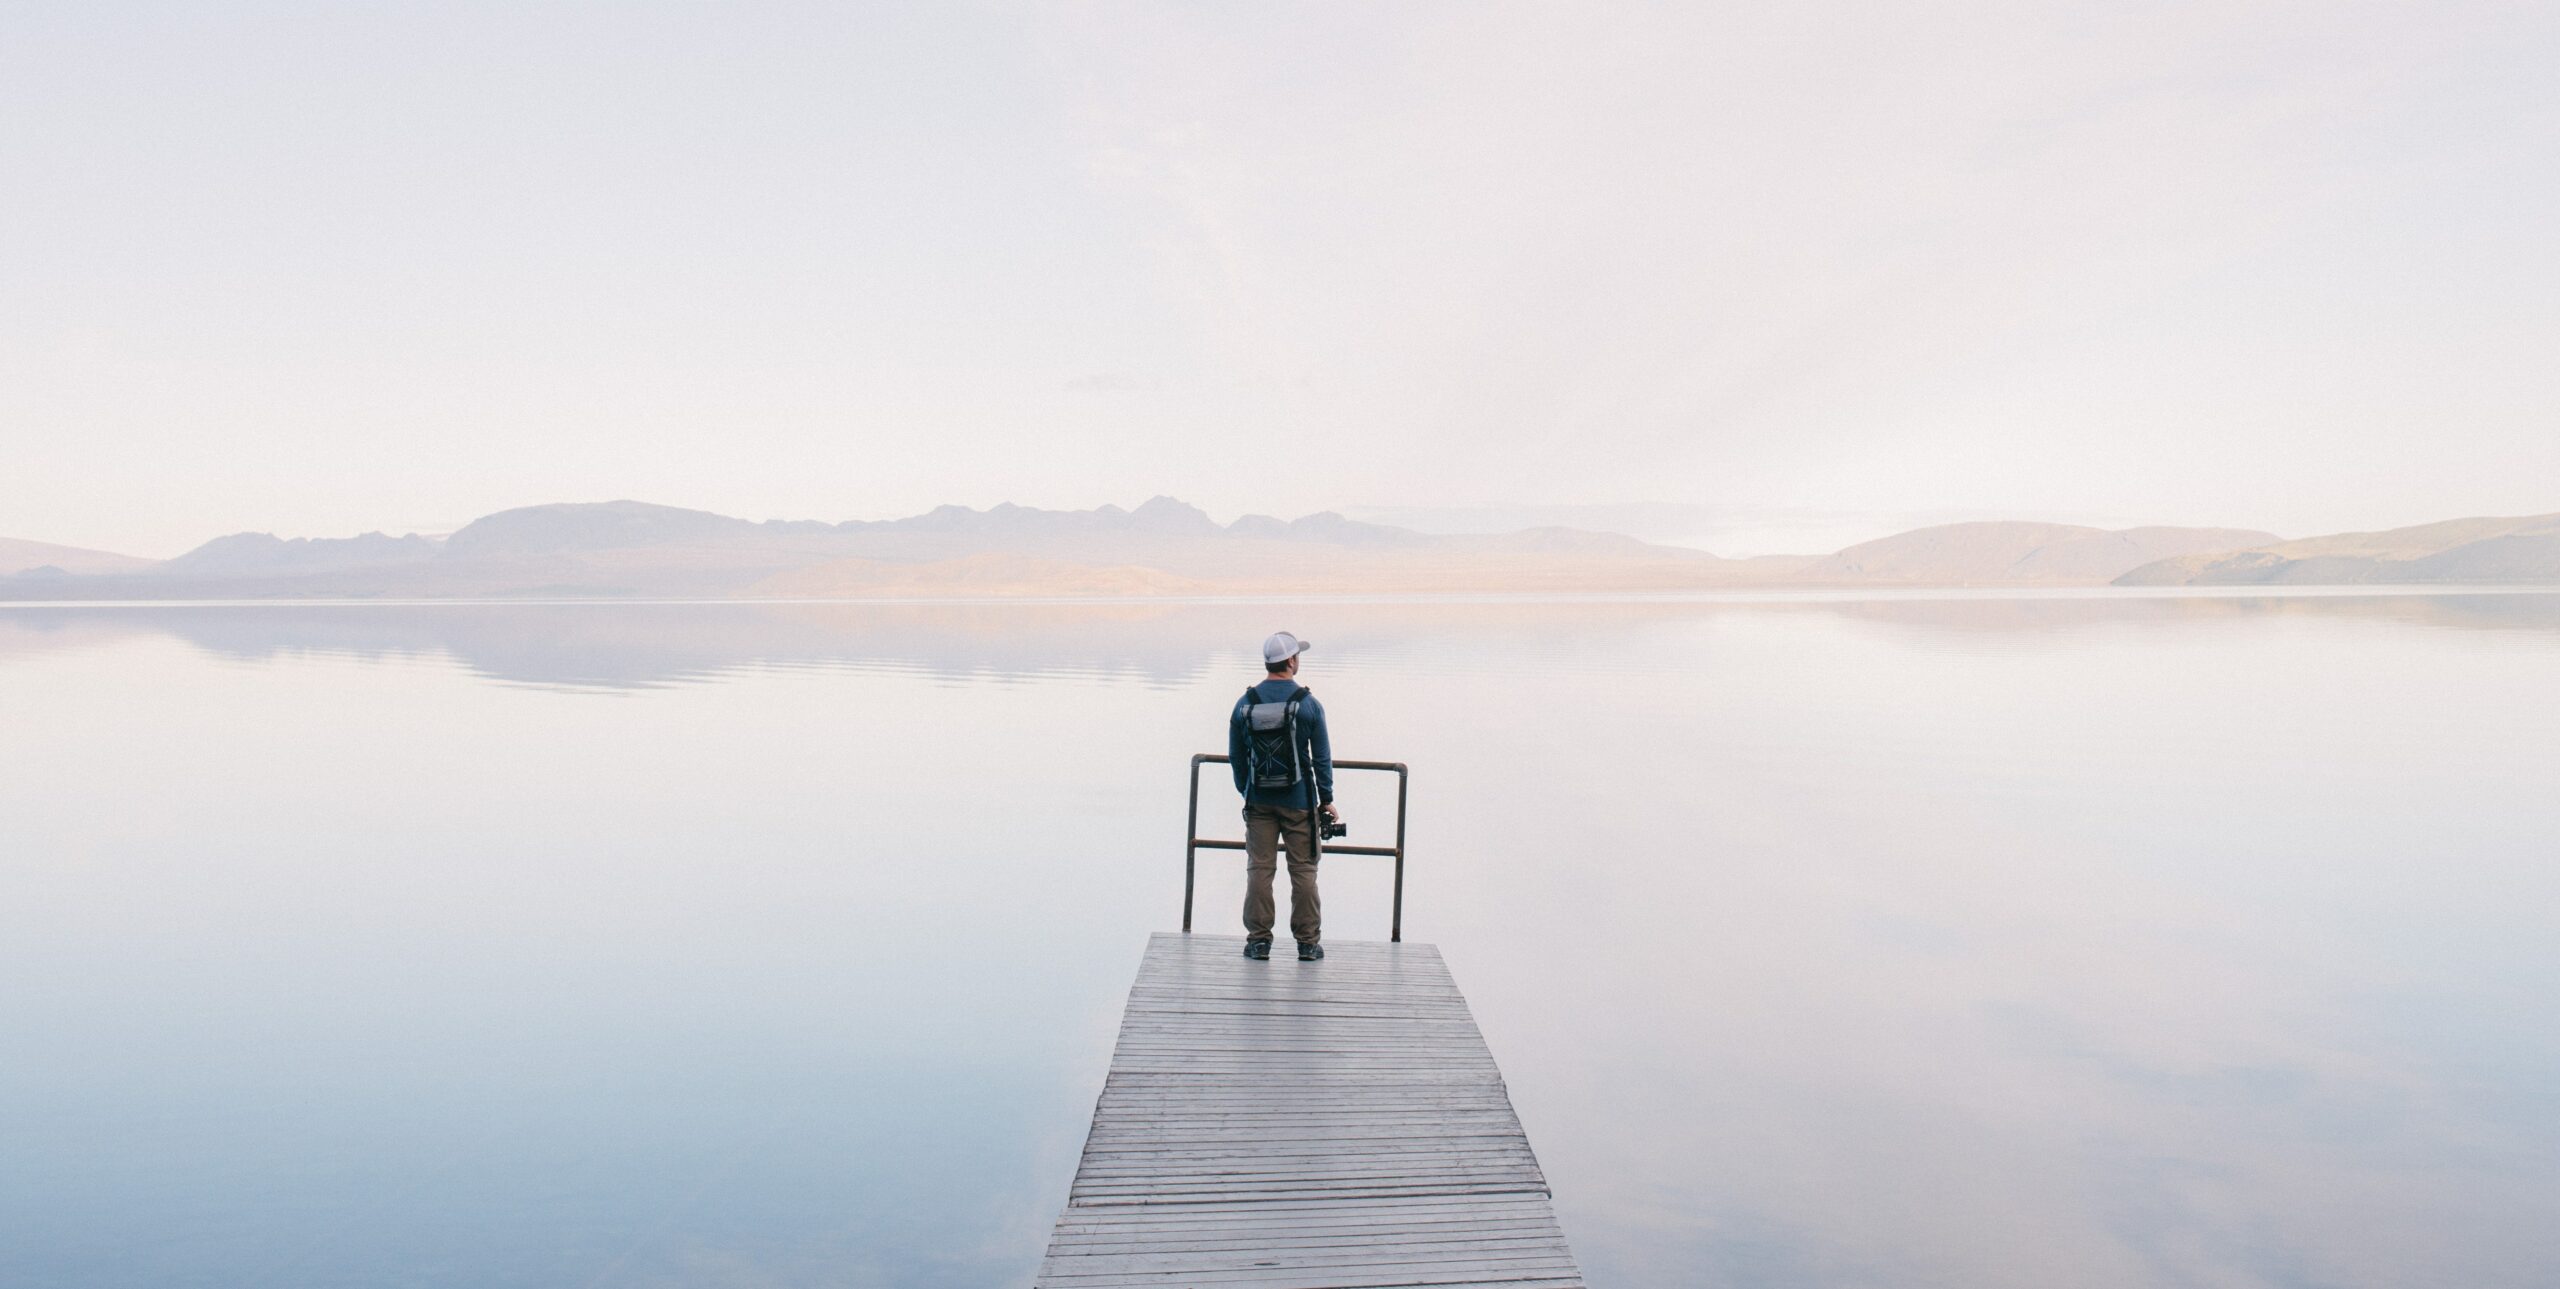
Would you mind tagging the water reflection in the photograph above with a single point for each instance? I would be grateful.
(613, 645)
(1915, 941)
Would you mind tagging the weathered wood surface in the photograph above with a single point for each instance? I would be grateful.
(1304, 1125)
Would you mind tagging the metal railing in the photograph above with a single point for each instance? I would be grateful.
(1196, 843)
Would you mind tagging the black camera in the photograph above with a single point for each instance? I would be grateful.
(1328, 829)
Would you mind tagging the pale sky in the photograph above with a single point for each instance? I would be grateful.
(321, 269)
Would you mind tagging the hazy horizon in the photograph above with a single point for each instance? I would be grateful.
(1726, 532)
(1734, 534)
(292, 268)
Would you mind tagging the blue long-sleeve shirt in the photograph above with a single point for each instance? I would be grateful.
(1316, 747)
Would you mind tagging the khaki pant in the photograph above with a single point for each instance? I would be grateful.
(1264, 827)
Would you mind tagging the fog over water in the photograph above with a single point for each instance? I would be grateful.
(2096, 940)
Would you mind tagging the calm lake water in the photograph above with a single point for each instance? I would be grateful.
(2033, 941)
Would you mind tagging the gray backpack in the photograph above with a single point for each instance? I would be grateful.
(1271, 743)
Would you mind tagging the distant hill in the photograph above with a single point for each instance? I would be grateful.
(1164, 547)
(986, 575)
(1979, 554)
(1167, 548)
(2523, 550)
(44, 559)
(592, 526)
(267, 555)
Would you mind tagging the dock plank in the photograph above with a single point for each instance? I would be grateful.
(1304, 1125)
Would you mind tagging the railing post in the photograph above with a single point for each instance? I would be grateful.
(1192, 841)
(1190, 845)
(1395, 925)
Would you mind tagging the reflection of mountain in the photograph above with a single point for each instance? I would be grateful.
(638, 645)
(2524, 550)
(622, 646)
(2068, 611)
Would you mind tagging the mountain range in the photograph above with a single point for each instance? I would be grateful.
(1166, 548)
(2477, 551)
(47, 559)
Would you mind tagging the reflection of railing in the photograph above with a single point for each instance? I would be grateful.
(1196, 843)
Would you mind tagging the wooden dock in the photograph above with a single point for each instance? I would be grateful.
(1304, 1125)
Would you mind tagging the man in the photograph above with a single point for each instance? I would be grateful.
(1283, 761)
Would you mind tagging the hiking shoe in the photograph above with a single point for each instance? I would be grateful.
(1309, 951)
(1258, 950)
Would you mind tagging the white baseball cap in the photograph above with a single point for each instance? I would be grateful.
(1282, 647)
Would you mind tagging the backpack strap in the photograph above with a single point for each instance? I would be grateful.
(1301, 767)
(1252, 701)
